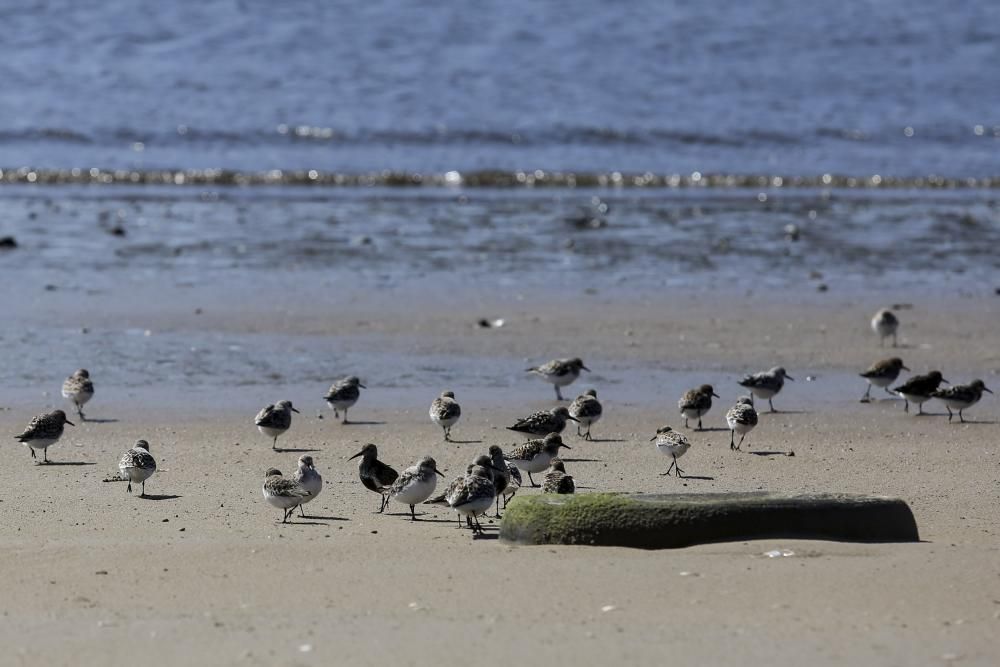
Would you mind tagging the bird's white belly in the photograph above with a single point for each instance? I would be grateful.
(537, 464)
(283, 502)
(137, 474)
(763, 392)
(672, 450)
(881, 382)
(477, 506)
(444, 422)
(270, 431)
(738, 427)
(913, 398)
(41, 443)
(691, 413)
(342, 405)
(416, 492)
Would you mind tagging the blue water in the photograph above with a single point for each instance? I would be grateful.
(894, 87)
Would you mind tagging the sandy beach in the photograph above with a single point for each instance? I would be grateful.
(204, 568)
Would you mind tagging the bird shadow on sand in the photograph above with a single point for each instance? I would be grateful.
(159, 496)
(565, 460)
(362, 423)
(710, 429)
(325, 518)
(974, 421)
(282, 450)
(100, 421)
(465, 442)
(67, 463)
(302, 523)
(703, 478)
(782, 412)
(605, 440)
(766, 452)
(426, 518)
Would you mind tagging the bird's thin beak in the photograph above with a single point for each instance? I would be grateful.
(72, 424)
(566, 446)
(652, 439)
(362, 386)
(716, 395)
(573, 419)
(438, 472)
(789, 377)
(987, 389)
(904, 368)
(356, 456)
(945, 381)
(296, 411)
(584, 368)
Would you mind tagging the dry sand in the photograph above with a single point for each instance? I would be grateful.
(202, 572)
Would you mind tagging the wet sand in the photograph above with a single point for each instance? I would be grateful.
(203, 568)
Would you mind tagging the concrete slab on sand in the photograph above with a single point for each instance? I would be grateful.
(664, 521)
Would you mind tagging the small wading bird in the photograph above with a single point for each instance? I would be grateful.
(559, 372)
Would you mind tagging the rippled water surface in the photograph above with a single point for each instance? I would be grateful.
(895, 88)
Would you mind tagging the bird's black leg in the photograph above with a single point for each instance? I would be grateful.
(274, 445)
(531, 480)
(771, 405)
(413, 514)
(960, 417)
(685, 422)
(699, 423)
(558, 393)
(588, 432)
(32, 453)
(45, 455)
(949, 413)
(302, 512)
(868, 395)
(677, 468)
(672, 464)
(741, 441)
(129, 489)
(344, 420)
(732, 439)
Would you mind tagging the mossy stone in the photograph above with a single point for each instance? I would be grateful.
(666, 521)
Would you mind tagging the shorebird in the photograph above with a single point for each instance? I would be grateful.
(559, 372)
(43, 431)
(882, 374)
(285, 494)
(473, 495)
(919, 389)
(137, 465)
(78, 389)
(742, 418)
(375, 475)
(556, 480)
(766, 384)
(673, 444)
(535, 455)
(587, 410)
(274, 420)
(696, 402)
(309, 479)
(445, 411)
(343, 394)
(885, 324)
(416, 484)
(961, 396)
(543, 423)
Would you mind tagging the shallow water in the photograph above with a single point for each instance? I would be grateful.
(895, 88)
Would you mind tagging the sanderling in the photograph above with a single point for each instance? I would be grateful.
(275, 419)
(918, 389)
(673, 444)
(961, 396)
(741, 419)
(885, 324)
(766, 384)
(586, 409)
(137, 465)
(416, 484)
(543, 423)
(78, 389)
(501, 476)
(882, 374)
(445, 411)
(310, 480)
(560, 372)
(43, 431)
(556, 480)
(375, 475)
(534, 455)
(343, 394)
(696, 402)
(285, 494)
(442, 498)
(473, 495)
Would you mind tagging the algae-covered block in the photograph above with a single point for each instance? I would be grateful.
(666, 521)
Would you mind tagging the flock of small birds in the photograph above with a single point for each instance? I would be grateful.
(497, 475)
